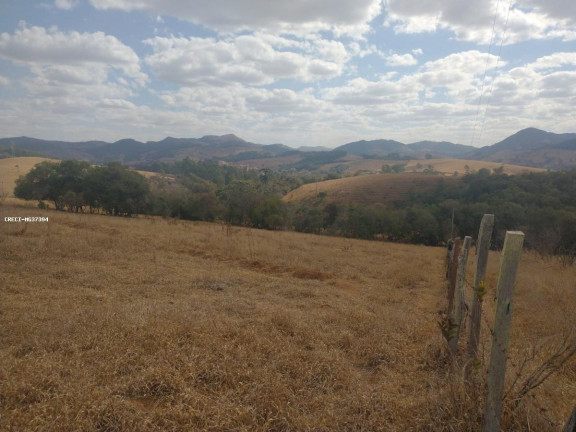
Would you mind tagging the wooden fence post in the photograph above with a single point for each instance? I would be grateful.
(497, 370)
(571, 424)
(455, 315)
(482, 248)
(452, 272)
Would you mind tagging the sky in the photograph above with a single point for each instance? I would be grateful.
(298, 72)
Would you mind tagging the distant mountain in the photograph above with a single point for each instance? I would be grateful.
(524, 140)
(379, 147)
(229, 140)
(441, 149)
(313, 149)
(132, 152)
(532, 147)
(528, 147)
(53, 149)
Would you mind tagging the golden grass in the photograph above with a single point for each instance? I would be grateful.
(443, 166)
(365, 189)
(449, 166)
(12, 168)
(111, 324)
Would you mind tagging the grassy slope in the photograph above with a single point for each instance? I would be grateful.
(366, 189)
(12, 168)
(444, 166)
(111, 324)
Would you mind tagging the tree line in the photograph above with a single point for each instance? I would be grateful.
(543, 205)
(77, 186)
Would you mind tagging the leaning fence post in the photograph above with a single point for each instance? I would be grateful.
(455, 315)
(500, 338)
(571, 424)
(482, 248)
(452, 272)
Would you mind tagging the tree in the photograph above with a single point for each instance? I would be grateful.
(61, 183)
(116, 190)
(268, 213)
(238, 198)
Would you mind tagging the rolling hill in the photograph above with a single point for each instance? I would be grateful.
(366, 189)
(380, 188)
(443, 166)
(12, 168)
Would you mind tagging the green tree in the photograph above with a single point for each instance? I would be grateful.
(116, 190)
(238, 199)
(62, 183)
(269, 213)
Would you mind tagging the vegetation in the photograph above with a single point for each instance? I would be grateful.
(151, 324)
(73, 185)
(543, 205)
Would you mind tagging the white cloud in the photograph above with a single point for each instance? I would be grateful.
(475, 20)
(557, 9)
(72, 76)
(554, 61)
(247, 59)
(4, 81)
(65, 4)
(38, 46)
(278, 16)
(387, 90)
(401, 60)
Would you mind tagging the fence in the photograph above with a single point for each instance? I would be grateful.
(456, 265)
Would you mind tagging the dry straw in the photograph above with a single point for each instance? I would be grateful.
(111, 324)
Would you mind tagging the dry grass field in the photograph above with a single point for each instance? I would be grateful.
(143, 324)
(443, 166)
(12, 168)
(366, 189)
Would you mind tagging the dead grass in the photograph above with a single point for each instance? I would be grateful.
(449, 166)
(110, 324)
(443, 166)
(366, 189)
(12, 168)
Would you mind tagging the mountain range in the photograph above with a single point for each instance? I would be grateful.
(529, 147)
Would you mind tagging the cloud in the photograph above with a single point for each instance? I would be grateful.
(278, 16)
(554, 61)
(72, 76)
(247, 59)
(4, 81)
(38, 46)
(387, 90)
(556, 9)
(401, 60)
(475, 20)
(65, 4)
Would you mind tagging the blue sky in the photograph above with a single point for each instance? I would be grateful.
(304, 72)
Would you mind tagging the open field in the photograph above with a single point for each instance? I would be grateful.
(366, 189)
(12, 168)
(112, 324)
(444, 166)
